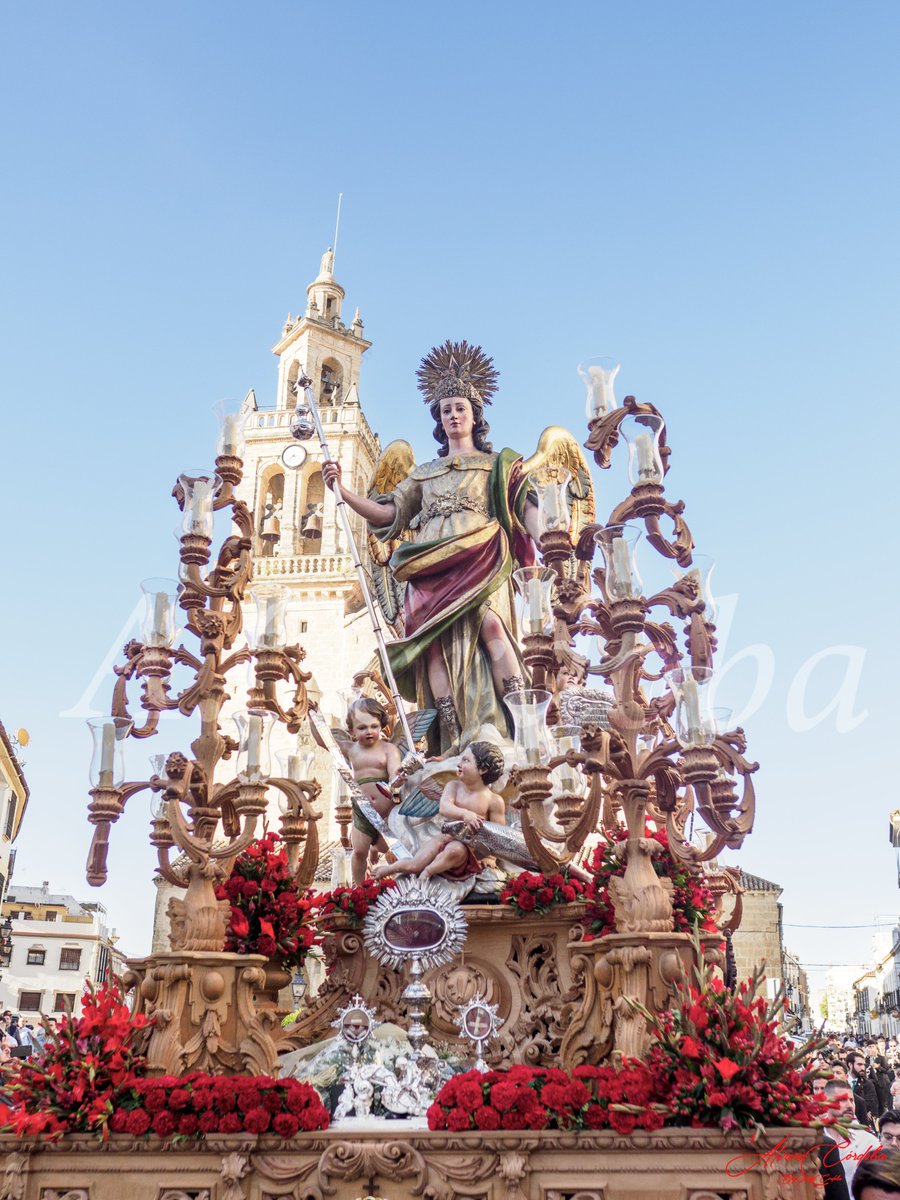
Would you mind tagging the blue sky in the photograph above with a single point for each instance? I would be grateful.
(706, 192)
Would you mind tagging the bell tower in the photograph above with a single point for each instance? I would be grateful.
(294, 517)
(297, 538)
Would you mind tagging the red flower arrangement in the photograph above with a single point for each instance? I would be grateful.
(270, 915)
(352, 902)
(197, 1105)
(530, 893)
(73, 1086)
(692, 901)
(718, 1058)
(538, 1098)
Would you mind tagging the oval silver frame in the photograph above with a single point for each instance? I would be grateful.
(409, 896)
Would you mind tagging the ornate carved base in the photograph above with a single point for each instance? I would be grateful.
(641, 966)
(208, 1013)
(403, 1164)
(521, 964)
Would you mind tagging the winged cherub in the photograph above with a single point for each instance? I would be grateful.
(445, 538)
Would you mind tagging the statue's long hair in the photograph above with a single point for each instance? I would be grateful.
(479, 432)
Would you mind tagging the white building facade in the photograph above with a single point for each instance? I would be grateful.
(58, 945)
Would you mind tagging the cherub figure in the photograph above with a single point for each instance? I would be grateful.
(376, 764)
(468, 798)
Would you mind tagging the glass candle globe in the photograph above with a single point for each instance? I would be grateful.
(160, 606)
(529, 714)
(567, 780)
(552, 487)
(200, 488)
(296, 764)
(254, 761)
(231, 441)
(642, 432)
(599, 376)
(270, 627)
(618, 544)
(107, 768)
(534, 586)
(694, 720)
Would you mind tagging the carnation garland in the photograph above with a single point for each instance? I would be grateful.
(692, 901)
(197, 1105)
(530, 893)
(270, 915)
(536, 1098)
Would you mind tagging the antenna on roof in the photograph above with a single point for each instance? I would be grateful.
(337, 224)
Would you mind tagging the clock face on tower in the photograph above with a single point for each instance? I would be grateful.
(294, 456)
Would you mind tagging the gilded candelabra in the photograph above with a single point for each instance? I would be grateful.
(621, 757)
(208, 1007)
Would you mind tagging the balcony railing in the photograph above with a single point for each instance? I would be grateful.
(277, 567)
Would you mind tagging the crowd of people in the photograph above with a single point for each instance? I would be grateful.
(864, 1085)
(21, 1038)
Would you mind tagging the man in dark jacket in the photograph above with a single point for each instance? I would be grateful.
(881, 1076)
(862, 1086)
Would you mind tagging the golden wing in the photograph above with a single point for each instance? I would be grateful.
(395, 463)
(558, 451)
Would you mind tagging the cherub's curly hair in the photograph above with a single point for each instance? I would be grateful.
(488, 759)
(367, 705)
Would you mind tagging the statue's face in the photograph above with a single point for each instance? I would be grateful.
(467, 769)
(457, 418)
(366, 728)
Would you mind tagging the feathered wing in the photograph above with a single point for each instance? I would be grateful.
(423, 801)
(395, 463)
(419, 723)
(557, 451)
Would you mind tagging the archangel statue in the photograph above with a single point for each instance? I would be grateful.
(445, 538)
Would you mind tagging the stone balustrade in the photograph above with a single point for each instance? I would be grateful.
(302, 565)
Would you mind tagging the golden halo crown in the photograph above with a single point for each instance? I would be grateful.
(457, 369)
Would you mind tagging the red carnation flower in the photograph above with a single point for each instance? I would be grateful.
(314, 1117)
(230, 1123)
(257, 1120)
(164, 1124)
(437, 1118)
(154, 1101)
(138, 1122)
(208, 1122)
(469, 1096)
(487, 1118)
(179, 1098)
(285, 1124)
(119, 1120)
(458, 1120)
